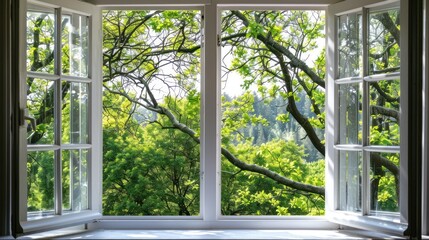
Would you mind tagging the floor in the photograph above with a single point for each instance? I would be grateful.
(208, 234)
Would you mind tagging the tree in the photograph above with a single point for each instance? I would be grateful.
(152, 169)
(151, 108)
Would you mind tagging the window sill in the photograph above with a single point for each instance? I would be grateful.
(211, 234)
(225, 222)
(48, 223)
(371, 223)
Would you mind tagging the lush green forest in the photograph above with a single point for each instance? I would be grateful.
(272, 106)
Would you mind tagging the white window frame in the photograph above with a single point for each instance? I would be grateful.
(95, 119)
(362, 220)
(210, 213)
(210, 216)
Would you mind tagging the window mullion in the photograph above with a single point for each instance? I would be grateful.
(210, 158)
(57, 114)
(365, 116)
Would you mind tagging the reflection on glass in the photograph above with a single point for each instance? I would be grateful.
(75, 116)
(40, 104)
(75, 45)
(384, 112)
(40, 41)
(40, 184)
(350, 181)
(75, 180)
(350, 113)
(384, 180)
(349, 45)
(384, 34)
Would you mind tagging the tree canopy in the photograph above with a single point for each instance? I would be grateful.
(273, 110)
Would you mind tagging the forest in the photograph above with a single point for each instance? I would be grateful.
(272, 111)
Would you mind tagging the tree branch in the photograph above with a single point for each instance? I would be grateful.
(294, 61)
(387, 22)
(385, 112)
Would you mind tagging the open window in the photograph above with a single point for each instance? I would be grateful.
(272, 95)
(151, 112)
(61, 93)
(365, 131)
(58, 137)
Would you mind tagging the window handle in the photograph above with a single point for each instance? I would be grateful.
(26, 116)
(32, 122)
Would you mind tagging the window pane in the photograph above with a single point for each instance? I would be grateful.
(272, 113)
(384, 112)
(350, 113)
(75, 180)
(349, 45)
(40, 184)
(350, 182)
(384, 34)
(75, 45)
(384, 180)
(40, 104)
(151, 117)
(75, 115)
(40, 41)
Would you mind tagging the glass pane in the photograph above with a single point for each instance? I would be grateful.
(75, 116)
(40, 184)
(349, 45)
(151, 113)
(40, 104)
(350, 113)
(75, 43)
(265, 139)
(384, 34)
(75, 180)
(350, 182)
(384, 113)
(40, 41)
(384, 180)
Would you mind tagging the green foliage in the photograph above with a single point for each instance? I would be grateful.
(40, 179)
(149, 169)
(151, 64)
(248, 193)
(151, 68)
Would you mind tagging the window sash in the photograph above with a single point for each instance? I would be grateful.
(361, 219)
(93, 146)
(58, 77)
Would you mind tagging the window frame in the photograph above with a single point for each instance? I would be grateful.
(209, 121)
(425, 167)
(210, 127)
(190, 7)
(94, 119)
(362, 219)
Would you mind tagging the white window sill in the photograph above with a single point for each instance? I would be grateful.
(210, 234)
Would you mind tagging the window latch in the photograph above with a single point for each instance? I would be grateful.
(24, 116)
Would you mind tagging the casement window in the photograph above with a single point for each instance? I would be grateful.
(59, 90)
(367, 85)
(68, 60)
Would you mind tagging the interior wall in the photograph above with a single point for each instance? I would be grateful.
(425, 191)
(5, 79)
(415, 116)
